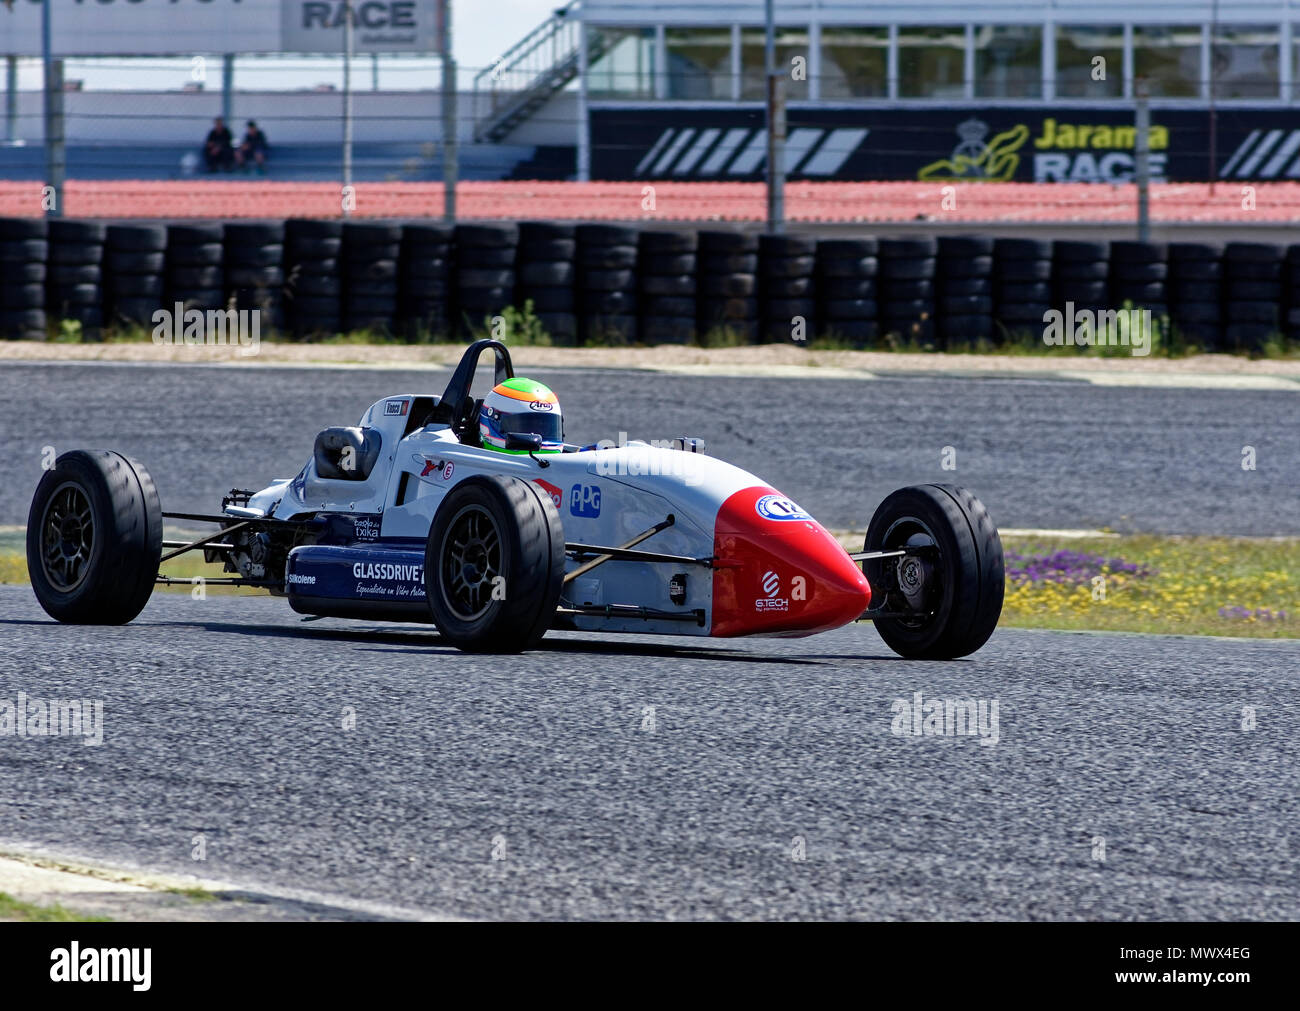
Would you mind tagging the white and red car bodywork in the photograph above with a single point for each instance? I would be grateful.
(771, 568)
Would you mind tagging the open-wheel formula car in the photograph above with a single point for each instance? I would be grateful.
(474, 514)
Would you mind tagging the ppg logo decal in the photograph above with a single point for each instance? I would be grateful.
(778, 507)
(771, 583)
(584, 500)
(539, 405)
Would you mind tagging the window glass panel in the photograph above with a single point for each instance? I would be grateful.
(855, 62)
(1078, 73)
(790, 42)
(931, 61)
(1169, 58)
(1245, 61)
(1008, 61)
(699, 62)
(621, 62)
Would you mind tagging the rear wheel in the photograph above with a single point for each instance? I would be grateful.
(949, 586)
(494, 564)
(94, 538)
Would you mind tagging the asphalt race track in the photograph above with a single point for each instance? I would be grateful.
(1039, 453)
(631, 777)
(657, 778)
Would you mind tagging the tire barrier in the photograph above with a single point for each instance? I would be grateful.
(726, 284)
(484, 273)
(667, 303)
(964, 290)
(254, 270)
(545, 276)
(1080, 272)
(1022, 288)
(905, 287)
(24, 253)
(311, 296)
(195, 263)
(600, 283)
(845, 274)
(1193, 288)
(606, 280)
(786, 286)
(134, 258)
(369, 273)
(74, 279)
(1252, 293)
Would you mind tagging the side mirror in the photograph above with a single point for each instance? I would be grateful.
(524, 441)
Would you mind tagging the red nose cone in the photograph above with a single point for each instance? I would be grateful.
(779, 571)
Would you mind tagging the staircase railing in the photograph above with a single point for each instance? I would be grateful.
(536, 66)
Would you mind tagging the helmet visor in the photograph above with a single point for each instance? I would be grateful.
(546, 424)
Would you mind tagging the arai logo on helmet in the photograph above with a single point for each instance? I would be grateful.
(540, 405)
(778, 507)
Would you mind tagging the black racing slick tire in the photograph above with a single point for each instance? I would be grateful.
(954, 582)
(494, 564)
(94, 538)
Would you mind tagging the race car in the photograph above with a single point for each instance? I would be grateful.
(475, 515)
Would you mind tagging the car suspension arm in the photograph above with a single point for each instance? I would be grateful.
(606, 554)
(190, 546)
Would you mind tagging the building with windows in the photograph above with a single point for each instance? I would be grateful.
(934, 89)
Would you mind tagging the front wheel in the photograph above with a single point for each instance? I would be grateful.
(948, 588)
(94, 538)
(494, 564)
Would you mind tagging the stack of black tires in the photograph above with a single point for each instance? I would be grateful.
(545, 272)
(485, 274)
(1291, 293)
(23, 253)
(313, 303)
(1252, 294)
(254, 266)
(1080, 275)
(846, 290)
(905, 288)
(1139, 273)
(964, 285)
(1022, 286)
(1192, 289)
(134, 262)
(726, 285)
(424, 289)
(195, 267)
(370, 254)
(787, 299)
(74, 280)
(666, 274)
(607, 289)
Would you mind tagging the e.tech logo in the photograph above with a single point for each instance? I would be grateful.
(742, 151)
(771, 586)
(584, 500)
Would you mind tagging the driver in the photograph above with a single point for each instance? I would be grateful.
(521, 406)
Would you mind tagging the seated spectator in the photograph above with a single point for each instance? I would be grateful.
(253, 149)
(218, 149)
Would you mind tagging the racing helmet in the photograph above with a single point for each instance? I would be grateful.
(522, 406)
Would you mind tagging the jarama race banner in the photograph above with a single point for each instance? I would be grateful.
(1022, 144)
